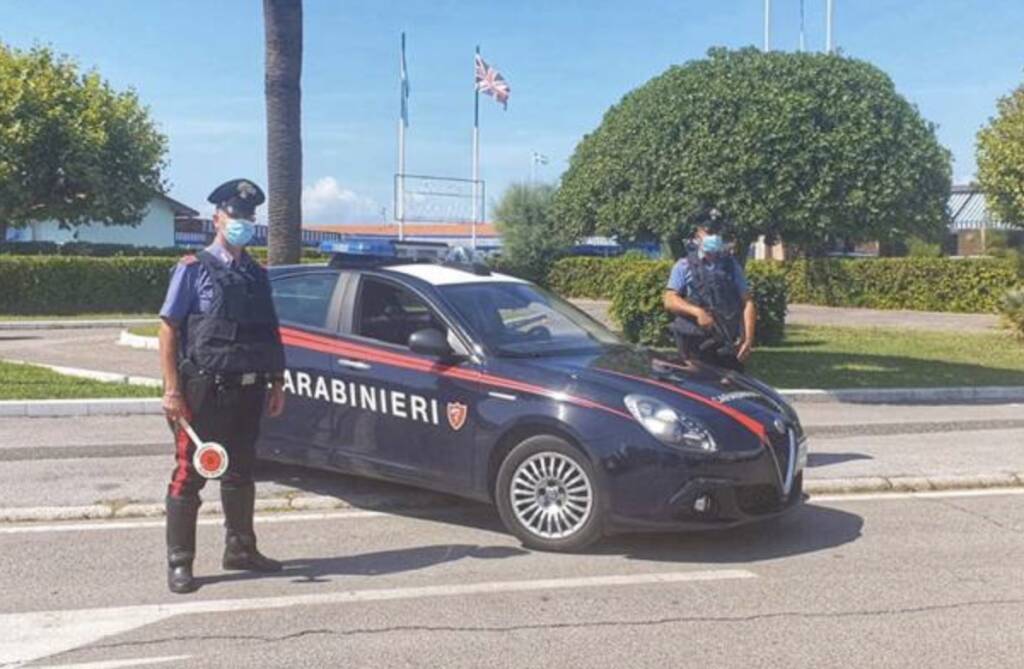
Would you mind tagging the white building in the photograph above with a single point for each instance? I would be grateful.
(155, 229)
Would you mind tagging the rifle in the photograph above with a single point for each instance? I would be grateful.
(719, 339)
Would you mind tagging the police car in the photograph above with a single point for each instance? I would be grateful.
(450, 377)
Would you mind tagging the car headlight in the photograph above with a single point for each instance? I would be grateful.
(669, 426)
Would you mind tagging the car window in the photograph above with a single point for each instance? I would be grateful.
(522, 319)
(390, 313)
(304, 299)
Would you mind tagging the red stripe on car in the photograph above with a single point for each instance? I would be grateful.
(740, 417)
(328, 345)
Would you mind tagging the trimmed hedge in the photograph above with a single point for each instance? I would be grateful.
(589, 277)
(56, 285)
(88, 249)
(920, 284)
(637, 301)
(59, 285)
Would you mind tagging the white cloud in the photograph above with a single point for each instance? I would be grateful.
(327, 202)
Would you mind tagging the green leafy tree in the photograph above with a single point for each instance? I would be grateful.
(283, 36)
(531, 240)
(72, 149)
(800, 146)
(1001, 159)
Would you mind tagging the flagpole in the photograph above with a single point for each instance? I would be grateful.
(802, 41)
(476, 152)
(402, 115)
(829, 15)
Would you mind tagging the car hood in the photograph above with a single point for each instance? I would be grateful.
(697, 388)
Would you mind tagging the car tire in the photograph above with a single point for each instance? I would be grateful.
(548, 495)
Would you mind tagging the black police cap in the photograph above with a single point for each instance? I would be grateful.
(238, 197)
(711, 219)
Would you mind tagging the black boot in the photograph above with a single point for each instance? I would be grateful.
(240, 543)
(181, 544)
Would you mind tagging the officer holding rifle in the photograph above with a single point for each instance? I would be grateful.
(715, 315)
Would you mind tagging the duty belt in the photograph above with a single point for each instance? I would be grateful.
(231, 379)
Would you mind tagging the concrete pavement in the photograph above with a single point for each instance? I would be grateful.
(866, 582)
(94, 349)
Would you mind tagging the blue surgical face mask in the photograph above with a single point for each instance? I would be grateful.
(238, 232)
(712, 244)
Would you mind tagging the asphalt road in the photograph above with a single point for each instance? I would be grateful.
(867, 582)
(92, 349)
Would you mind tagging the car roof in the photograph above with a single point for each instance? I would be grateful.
(431, 273)
(443, 275)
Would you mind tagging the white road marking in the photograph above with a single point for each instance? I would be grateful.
(262, 519)
(116, 664)
(28, 636)
(927, 494)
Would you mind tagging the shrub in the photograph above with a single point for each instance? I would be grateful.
(637, 301)
(1012, 309)
(69, 285)
(587, 277)
(922, 284)
(88, 249)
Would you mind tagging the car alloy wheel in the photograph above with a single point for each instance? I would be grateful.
(551, 495)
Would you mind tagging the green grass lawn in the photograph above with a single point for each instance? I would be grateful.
(28, 382)
(75, 317)
(831, 357)
(144, 330)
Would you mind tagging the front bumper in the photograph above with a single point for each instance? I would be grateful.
(679, 493)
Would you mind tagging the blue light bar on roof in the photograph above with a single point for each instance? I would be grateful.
(380, 248)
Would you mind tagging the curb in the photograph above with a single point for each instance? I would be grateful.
(138, 341)
(69, 408)
(121, 511)
(76, 325)
(93, 375)
(426, 500)
(849, 486)
(956, 395)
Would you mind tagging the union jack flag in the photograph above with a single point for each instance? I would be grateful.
(490, 82)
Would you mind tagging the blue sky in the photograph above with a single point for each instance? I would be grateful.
(199, 66)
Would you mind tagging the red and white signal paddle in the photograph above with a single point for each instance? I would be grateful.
(210, 459)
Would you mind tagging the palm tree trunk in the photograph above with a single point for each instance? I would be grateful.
(283, 30)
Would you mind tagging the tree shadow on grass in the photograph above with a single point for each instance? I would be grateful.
(812, 369)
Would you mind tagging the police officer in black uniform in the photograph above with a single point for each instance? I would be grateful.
(223, 364)
(707, 292)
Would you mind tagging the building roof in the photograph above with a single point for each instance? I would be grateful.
(416, 230)
(968, 210)
(178, 208)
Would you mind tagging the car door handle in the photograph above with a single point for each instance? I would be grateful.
(353, 364)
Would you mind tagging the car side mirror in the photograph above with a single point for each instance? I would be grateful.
(430, 341)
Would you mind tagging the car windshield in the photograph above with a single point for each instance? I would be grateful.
(522, 320)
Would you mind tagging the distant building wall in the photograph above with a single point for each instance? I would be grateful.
(155, 229)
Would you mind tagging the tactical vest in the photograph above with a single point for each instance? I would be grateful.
(714, 291)
(238, 333)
